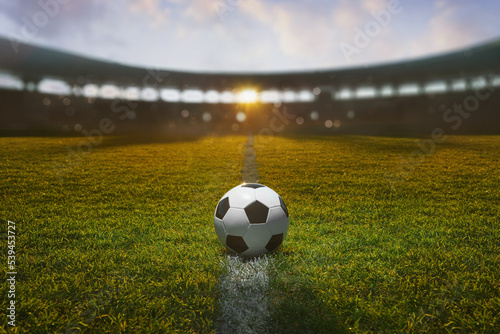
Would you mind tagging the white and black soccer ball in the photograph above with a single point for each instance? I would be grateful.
(251, 219)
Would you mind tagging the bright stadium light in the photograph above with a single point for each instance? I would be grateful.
(344, 94)
(289, 96)
(306, 96)
(459, 85)
(270, 96)
(435, 87)
(170, 95)
(212, 96)
(10, 81)
(226, 97)
(409, 89)
(90, 90)
(247, 96)
(365, 92)
(131, 93)
(192, 96)
(52, 86)
(149, 94)
(109, 92)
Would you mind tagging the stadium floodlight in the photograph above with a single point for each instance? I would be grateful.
(289, 96)
(251, 219)
(409, 89)
(495, 80)
(344, 94)
(226, 97)
(170, 95)
(247, 95)
(365, 92)
(436, 87)
(90, 90)
(459, 85)
(10, 81)
(149, 94)
(54, 86)
(270, 96)
(131, 93)
(479, 82)
(192, 96)
(386, 90)
(306, 96)
(212, 96)
(109, 91)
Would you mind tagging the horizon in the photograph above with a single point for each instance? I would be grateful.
(17, 43)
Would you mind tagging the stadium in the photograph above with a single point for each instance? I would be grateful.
(118, 179)
(51, 90)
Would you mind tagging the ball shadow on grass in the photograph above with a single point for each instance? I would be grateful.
(295, 304)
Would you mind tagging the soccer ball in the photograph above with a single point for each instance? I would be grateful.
(251, 219)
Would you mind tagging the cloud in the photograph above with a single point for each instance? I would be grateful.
(346, 17)
(50, 18)
(261, 11)
(202, 11)
(353, 19)
(150, 7)
(373, 6)
(301, 31)
(8, 24)
(452, 26)
(153, 9)
(250, 35)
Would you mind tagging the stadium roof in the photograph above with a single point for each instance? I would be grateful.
(34, 63)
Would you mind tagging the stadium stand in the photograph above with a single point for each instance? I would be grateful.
(52, 91)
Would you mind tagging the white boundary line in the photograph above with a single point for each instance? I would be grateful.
(244, 291)
(249, 172)
(244, 284)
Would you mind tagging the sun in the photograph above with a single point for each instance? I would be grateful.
(247, 96)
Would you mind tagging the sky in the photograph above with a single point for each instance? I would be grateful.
(251, 35)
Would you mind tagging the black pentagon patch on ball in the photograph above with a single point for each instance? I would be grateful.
(222, 208)
(236, 243)
(274, 243)
(283, 206)
(257, 213)
(252, 185)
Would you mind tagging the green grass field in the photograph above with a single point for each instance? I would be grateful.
(122, 240)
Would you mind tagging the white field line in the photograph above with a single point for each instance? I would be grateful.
(244, 284)
(244, 290)
(249, 172)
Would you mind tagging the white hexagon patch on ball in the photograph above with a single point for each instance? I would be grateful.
(251, 219)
